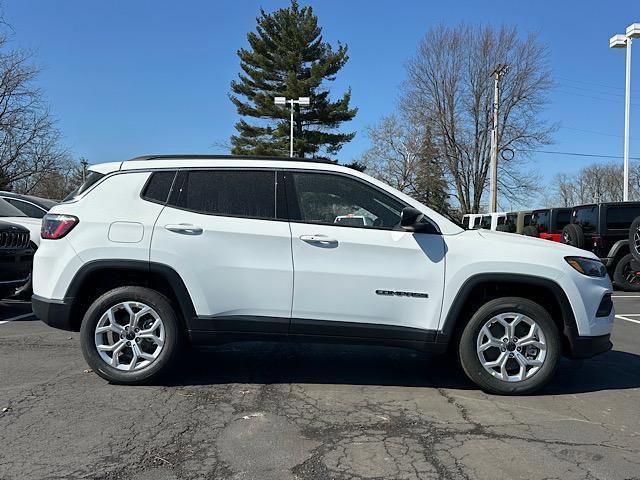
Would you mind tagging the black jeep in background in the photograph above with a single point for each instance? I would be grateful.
(604, 230)
(16, 257)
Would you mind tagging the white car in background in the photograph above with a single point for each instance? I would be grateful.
(11, 214)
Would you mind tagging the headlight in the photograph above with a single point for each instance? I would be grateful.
(587, 266)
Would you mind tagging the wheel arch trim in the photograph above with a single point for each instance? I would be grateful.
(175, 282)
(462, 296)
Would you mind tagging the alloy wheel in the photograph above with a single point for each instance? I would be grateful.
(511, 347)
(129, 336)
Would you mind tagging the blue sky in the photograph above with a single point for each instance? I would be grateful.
(136, 77)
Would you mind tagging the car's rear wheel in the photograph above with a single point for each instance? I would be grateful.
(626, 275)
(634, 238)
(130, 335)
(511, 346)
(530, 231)
(503, 228)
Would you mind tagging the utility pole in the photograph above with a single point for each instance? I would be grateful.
(500, 70)
(84, 164)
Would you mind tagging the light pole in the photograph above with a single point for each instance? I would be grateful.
(500, 70)
(284, 101)
(625, 41)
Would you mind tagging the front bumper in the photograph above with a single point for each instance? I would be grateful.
(587, 347)
(55, 313)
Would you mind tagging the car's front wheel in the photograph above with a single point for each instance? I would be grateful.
(130, 335)
(510, 346)
(626, 275)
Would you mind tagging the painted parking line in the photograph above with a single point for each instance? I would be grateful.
(19, 317)
(632, 320)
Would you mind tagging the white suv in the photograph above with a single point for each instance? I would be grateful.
(158, 251)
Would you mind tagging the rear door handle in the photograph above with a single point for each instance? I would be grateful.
(184, 229)
(317, 238)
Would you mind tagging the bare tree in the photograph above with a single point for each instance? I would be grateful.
(450, 89)
(599, 182)
(402, 155)
(29, 140)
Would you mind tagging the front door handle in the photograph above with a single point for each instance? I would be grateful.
(319, 239)
(184, 229)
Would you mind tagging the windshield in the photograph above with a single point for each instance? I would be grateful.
(8, 210)
(91, 178)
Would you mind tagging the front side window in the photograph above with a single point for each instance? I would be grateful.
(234, 193)
(338, 200)
(562, 219)
(486, 222)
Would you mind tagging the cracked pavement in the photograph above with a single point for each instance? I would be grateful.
(292, 411)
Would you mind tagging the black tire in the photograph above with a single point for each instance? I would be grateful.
(469, 357)
(503, 228)
(634, 238)
(531, 231)
(173, 335)
(573, 235)
(624, 274)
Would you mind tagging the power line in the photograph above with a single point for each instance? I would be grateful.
(610, 100)
(577, 154)
(595, 132)
(593, 84)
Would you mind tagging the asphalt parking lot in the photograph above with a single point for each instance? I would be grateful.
(273, 411)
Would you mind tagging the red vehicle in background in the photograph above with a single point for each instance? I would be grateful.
(548, 223)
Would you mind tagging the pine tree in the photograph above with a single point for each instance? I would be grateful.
(289, 58)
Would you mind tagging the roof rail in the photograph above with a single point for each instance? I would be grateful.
(227, 157)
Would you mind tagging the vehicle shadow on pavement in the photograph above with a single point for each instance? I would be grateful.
(273, 363)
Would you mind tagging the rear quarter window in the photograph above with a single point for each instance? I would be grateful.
(158, 186)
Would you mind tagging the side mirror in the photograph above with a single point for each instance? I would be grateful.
(411, 219)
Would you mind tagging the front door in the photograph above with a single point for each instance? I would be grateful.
(356, 272)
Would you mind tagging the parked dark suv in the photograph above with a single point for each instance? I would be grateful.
(16, 257)
(548, 223)
(604, 230)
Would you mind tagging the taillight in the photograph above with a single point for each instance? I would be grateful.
(56, 226)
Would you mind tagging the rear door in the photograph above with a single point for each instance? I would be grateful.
(367, 280)
(225, 232)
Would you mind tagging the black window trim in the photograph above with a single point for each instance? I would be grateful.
(180, 176)
(292, 201)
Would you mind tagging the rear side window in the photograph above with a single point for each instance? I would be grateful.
(233, 193)
(476, 222)
(27, 208)
(541, 219)
(621, 217)
(159, 186)
(586, 217)
(486, 222)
